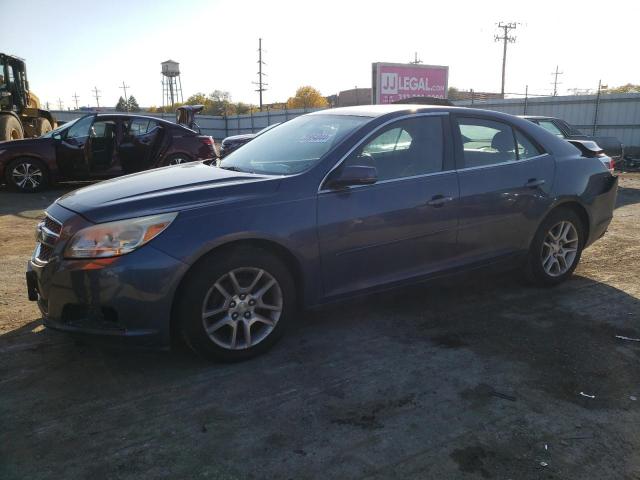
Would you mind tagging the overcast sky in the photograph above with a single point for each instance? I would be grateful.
(73, 46)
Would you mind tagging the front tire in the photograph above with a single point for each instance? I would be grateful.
(27, 175)
(10, 128)
(235, 304)
(556, 248)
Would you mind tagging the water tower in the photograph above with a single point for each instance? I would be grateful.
(171, 83)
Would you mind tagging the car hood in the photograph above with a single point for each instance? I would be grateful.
(237, 138)
(168, 189)
(25, 143)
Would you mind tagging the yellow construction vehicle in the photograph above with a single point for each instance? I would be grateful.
(20, 112)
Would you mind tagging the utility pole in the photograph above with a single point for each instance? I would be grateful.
(595, 115)
(126, 100)
(59, 103)
(47, 104)
(75, 98)
(416, 60)
(96, 94)
(555, 82)
(261, 84)
(506, 38)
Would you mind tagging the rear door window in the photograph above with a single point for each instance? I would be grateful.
(486, 142)
(139, 126)
(526, 148)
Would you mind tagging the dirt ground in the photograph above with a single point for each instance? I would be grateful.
(478, 378)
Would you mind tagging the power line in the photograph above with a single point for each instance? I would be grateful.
(75, 98)
(506, 38)
(126, 101)
(261, 84)
(555, 82)
(96, 94)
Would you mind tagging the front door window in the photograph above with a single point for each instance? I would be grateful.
(80, 129)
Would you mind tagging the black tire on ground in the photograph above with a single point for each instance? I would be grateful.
(26, 175)
(176, 159)
(42, 126)
(534, 270)
(190, 302)
(10, 128)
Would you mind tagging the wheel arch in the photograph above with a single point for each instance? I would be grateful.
(272, 247)
(579, 210)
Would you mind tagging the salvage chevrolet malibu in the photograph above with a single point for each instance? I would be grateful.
(327, 205)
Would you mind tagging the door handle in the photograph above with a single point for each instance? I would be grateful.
(534, 183)
(438, 200)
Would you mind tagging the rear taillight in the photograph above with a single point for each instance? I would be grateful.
(207, 140)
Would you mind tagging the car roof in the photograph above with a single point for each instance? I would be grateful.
(128, 115)
(375, 111)
(146, 117)
(536, 117)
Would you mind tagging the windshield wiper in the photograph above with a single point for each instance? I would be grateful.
(231, 168)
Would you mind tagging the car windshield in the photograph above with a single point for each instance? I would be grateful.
(294, 146)
(59, 129)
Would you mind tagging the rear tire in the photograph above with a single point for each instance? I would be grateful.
(223, 322)
(42, 126)
(556, 248)
(26, 175)
(10, 128)
(176, 159)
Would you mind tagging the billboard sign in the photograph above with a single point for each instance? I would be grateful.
(399, 81)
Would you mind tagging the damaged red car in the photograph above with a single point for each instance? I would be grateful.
(100, 146)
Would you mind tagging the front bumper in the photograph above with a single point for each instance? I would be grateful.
(127, 298)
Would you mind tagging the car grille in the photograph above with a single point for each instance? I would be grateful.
(43, 252)
(47, 235)
(52, 225)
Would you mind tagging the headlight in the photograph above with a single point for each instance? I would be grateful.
(117, 238)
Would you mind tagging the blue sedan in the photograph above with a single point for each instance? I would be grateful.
(325, 206)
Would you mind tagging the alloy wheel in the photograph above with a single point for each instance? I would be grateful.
(559, 249)
(26, 175)
(242, 308)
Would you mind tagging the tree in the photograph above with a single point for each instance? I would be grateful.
(121, 106)
(628, 88)
(198, 99)
(219, 103)
(220, 96)
(244, 108)
(133, 104)
(453, 93)
(307, 97)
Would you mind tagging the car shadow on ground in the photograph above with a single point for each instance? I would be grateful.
(346, 371)
(627, 196)
(566, 334)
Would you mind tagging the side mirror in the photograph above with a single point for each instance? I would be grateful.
(351, 175)
(57, 136)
